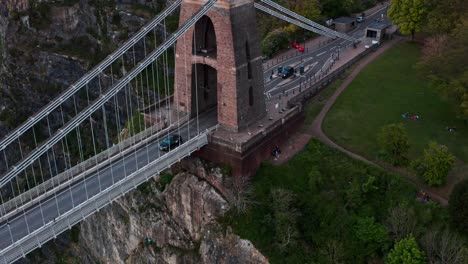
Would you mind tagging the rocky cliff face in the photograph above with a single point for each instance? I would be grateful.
(177, 225)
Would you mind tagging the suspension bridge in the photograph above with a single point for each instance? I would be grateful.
(101, 137)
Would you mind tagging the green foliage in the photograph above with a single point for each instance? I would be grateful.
(226, 169)
(444, 62)
(135, 124)
(373, 236)
(393, 140)
(327, 192)
(145, 188)
(283, 220)
(435, 164)
(75, 234)
(444, 15)
(458, 207)
(275, 41)
(164, 180)
(406, 251)
(409, 15)
(39, 14)
(116, 19)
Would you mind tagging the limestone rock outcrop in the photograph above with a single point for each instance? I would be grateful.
(177, 225)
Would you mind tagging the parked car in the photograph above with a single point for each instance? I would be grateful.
(287, 72)
(360, 19)
(170, 142)
(298, 47)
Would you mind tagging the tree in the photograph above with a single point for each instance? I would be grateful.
(406, 251)
(444, 15)
(284, 219)
(409, 15)
(401, 222)
(394, 143)
(458, 206)
(435, 164)
(275, 41)
(372, 235)
(443, 246)
(444, 62)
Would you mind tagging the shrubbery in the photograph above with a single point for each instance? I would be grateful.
(275, 41)
(458, 207)
(435, 165)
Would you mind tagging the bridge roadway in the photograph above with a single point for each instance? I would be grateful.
(104, 177)
(317, 57)
(17, 227)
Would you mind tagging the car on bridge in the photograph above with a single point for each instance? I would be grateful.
(170, 142)
(287, 72)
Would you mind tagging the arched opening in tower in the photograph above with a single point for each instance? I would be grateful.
(204, 38)
(204, 88)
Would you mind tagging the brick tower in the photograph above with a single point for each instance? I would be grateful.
(219, 64)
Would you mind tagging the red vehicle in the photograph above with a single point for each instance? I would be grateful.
(298, 47)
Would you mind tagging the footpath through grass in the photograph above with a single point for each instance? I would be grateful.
(330, 208)
(380, 94)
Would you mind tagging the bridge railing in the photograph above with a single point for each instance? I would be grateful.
(83, 169)
(37, 238)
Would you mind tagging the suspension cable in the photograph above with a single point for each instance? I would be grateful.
(71, 91)
(102, 99)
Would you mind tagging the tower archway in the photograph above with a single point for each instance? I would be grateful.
(204, 38)
(204, 88)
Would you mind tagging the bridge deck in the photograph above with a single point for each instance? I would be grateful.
(71, 197)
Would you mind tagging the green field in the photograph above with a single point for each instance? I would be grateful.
(331, 194)
(380, 94)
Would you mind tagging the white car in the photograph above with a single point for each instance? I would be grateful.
(360, 19)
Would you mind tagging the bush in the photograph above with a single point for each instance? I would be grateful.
(274, 42)
(164, 180)
(373, 236)
(393, 140)
(406, 251)
(435, 164)
(458, 207)
(75, 234)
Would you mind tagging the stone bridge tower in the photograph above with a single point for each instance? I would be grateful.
(219, 64)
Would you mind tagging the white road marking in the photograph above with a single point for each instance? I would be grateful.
(320, 54)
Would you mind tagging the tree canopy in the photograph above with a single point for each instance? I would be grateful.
(458, 206)
(393, 140)
(435, 164)
(406, 251)
(409, 15)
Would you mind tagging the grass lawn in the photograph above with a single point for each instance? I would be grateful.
(316, 103)
(380, 94)
(331, 193)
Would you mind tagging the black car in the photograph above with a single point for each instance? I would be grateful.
(170, 142)
(287, 72)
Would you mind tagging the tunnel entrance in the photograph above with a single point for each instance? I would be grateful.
(204, 88)
(204, 38)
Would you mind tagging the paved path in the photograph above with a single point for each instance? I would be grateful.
(315, 130)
